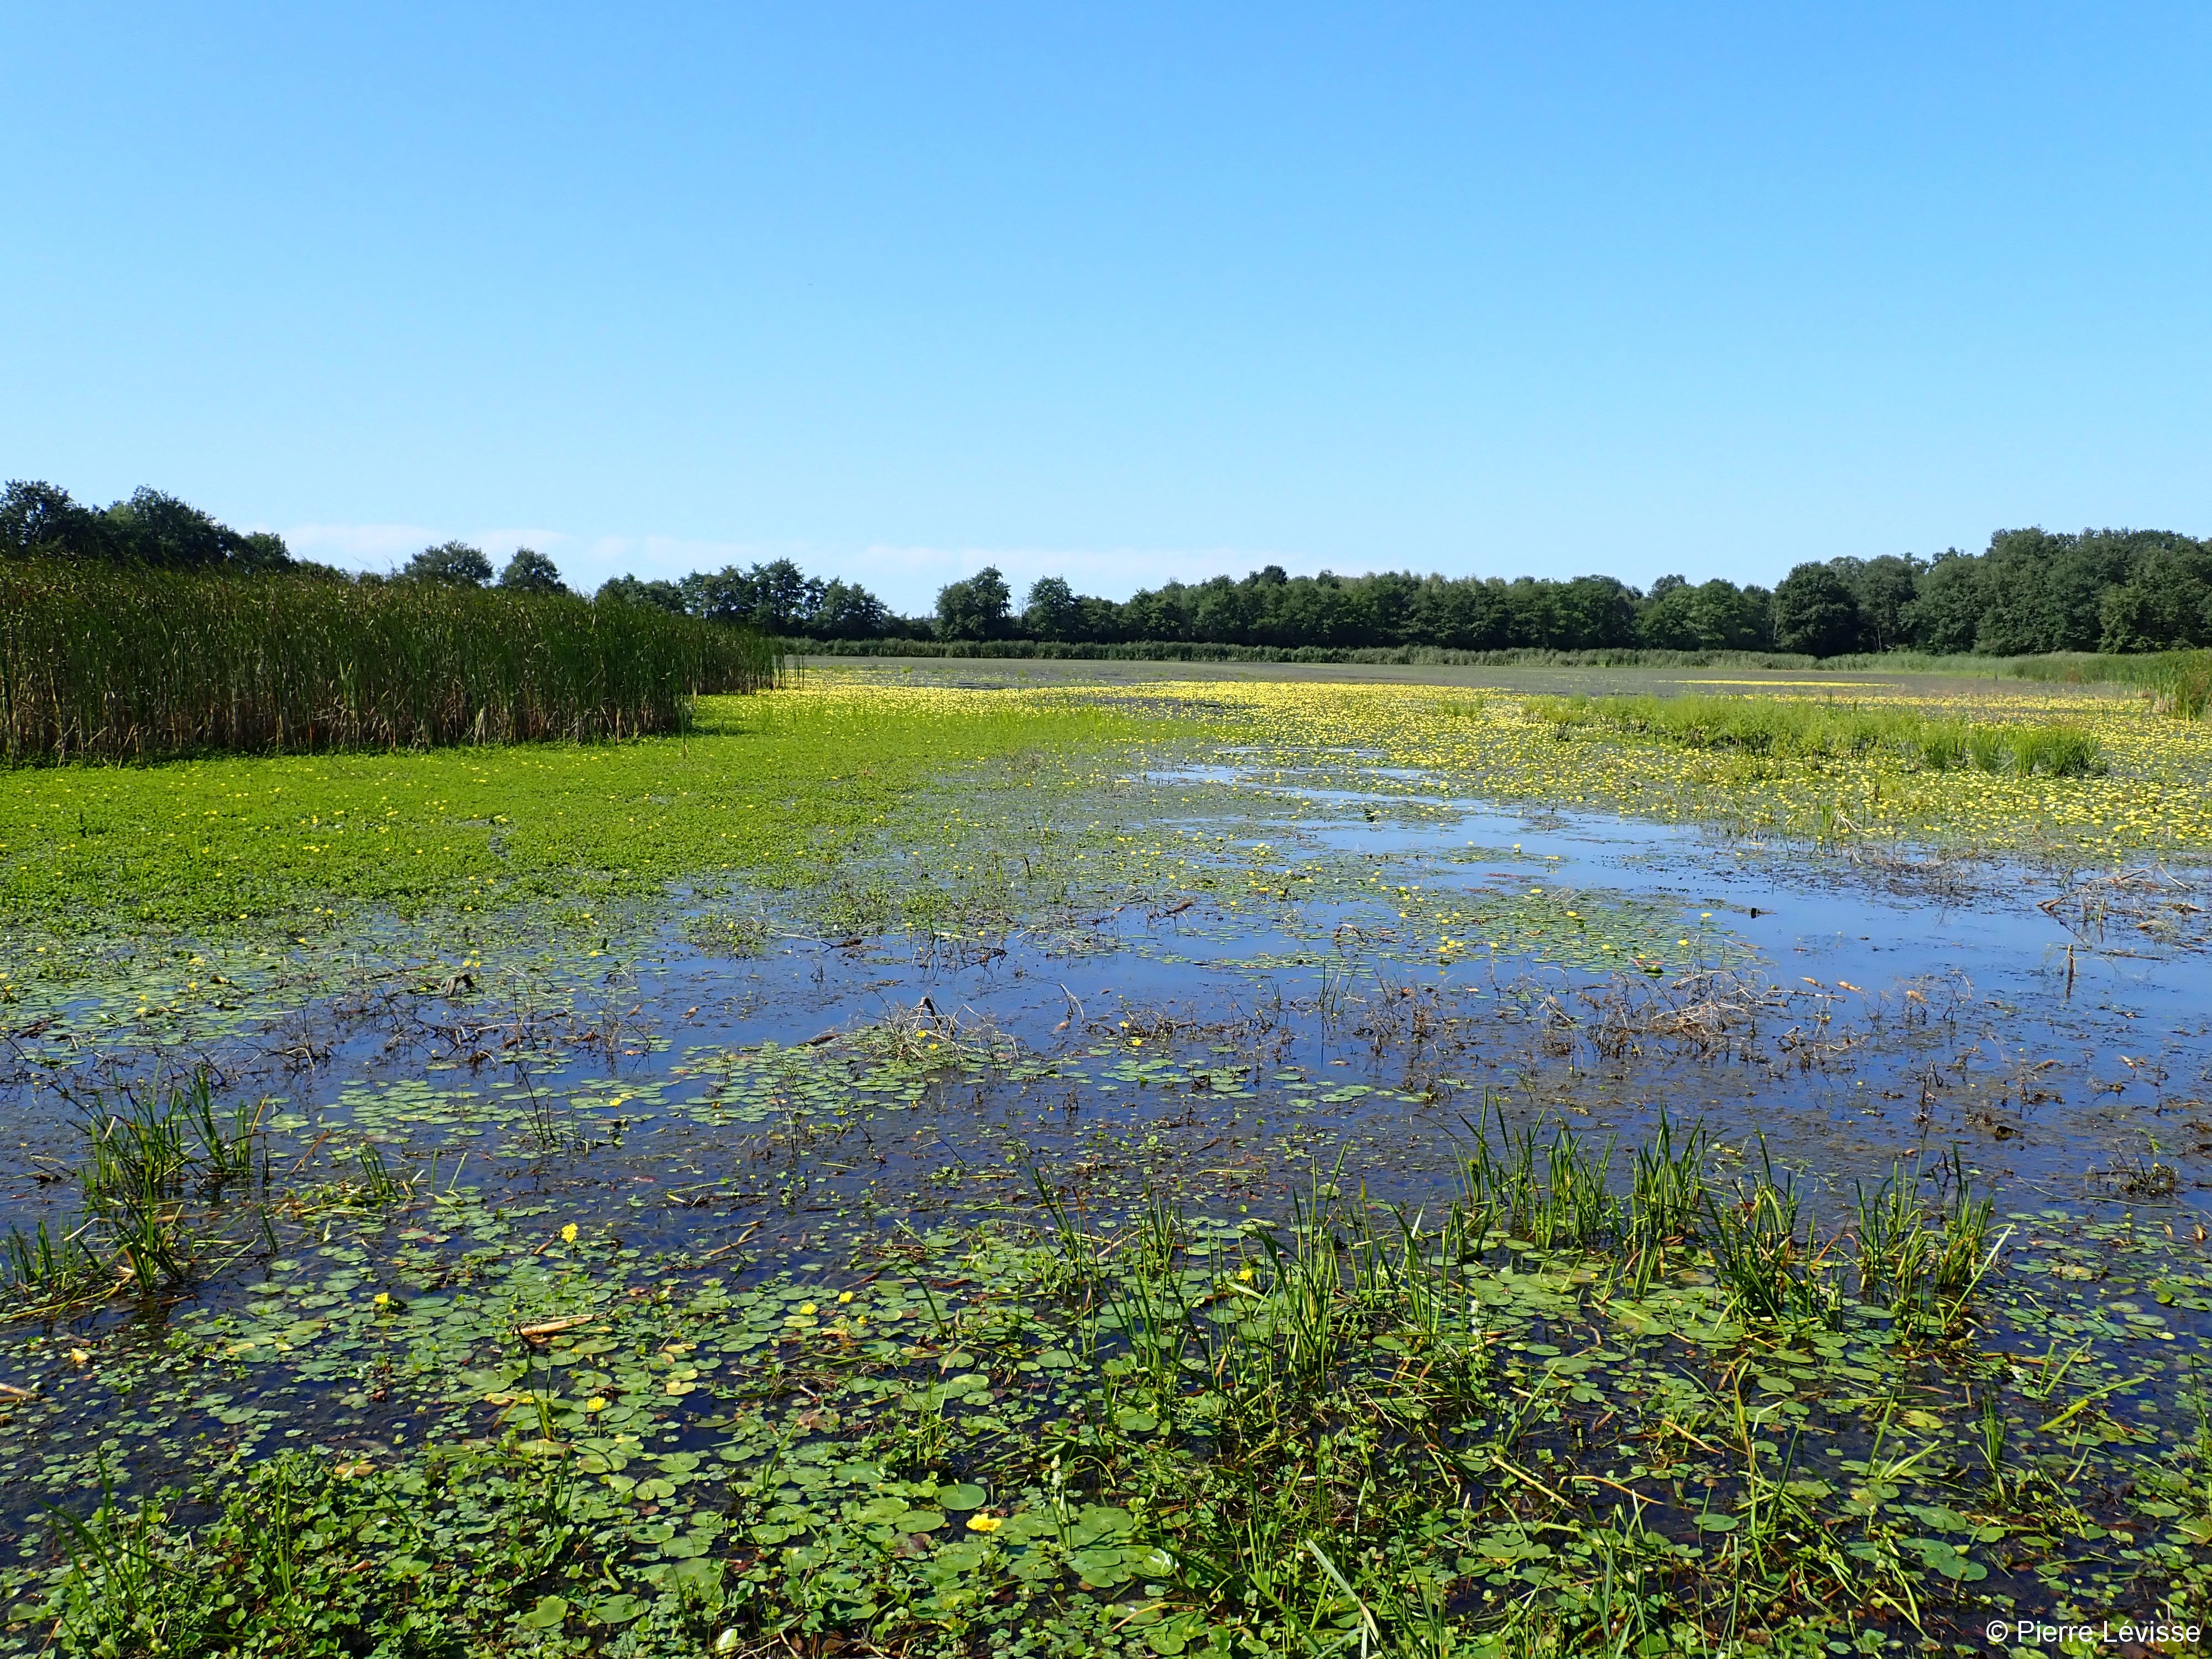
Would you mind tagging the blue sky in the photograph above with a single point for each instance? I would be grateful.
(1120, 292)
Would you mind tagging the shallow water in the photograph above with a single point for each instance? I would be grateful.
(1869, 1010)
(1278, 1010)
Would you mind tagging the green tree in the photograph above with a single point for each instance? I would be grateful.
(976, 609)
(530, 572)
(1714, 616)
(2165, 604)
(1592, 611)
(727, 595)
(1884, 589)
(2045, 591)
(264, 550)
(1948, 604)
(149, 528)
(1669, 619)
(784, 597)
(846, 610)
(155, 528)
(1815, 612)
(629, 590)
(40, 520)
(1053, 611)
(455, 564)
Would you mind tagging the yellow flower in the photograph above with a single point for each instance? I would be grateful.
(383, 1299)
(983, 1523)
(568, 1233)
(598, 1402)
(844, 1295)
(1244, 1274)
(808, 1309)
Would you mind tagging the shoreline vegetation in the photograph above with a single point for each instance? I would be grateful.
(2180, 680)
(103, 663)
(1771, 727)
(148, 630)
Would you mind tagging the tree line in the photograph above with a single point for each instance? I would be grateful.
(2030, 591)
(42, 521)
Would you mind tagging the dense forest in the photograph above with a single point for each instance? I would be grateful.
(2031, 590)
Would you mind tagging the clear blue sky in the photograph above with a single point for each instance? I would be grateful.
(1120, 291)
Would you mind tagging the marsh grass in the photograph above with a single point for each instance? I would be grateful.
(1791, 729)
(1924, 1275)
(1291, 1407)
(1357, 1427)
(158, 1164)
(46, 1268)
(101, 664)
(2179, 683)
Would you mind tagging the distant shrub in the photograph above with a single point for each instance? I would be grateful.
(1777, 727)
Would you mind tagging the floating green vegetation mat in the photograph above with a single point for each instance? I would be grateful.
(1602, 1401)
(817, 787)
(192, 899)
(775, 787)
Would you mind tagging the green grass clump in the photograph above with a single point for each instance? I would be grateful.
(103, 664)
(1824, 731)
(158, 1162)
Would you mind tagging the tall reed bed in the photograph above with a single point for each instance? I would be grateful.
(1773, 726)
(103, 664)
(2178, 682)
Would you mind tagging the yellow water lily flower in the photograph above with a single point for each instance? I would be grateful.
(598, 1402)
(568, 1233)
(807, 1309)
(981, 1522)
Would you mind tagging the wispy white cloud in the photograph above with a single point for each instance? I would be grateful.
(358, 546)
